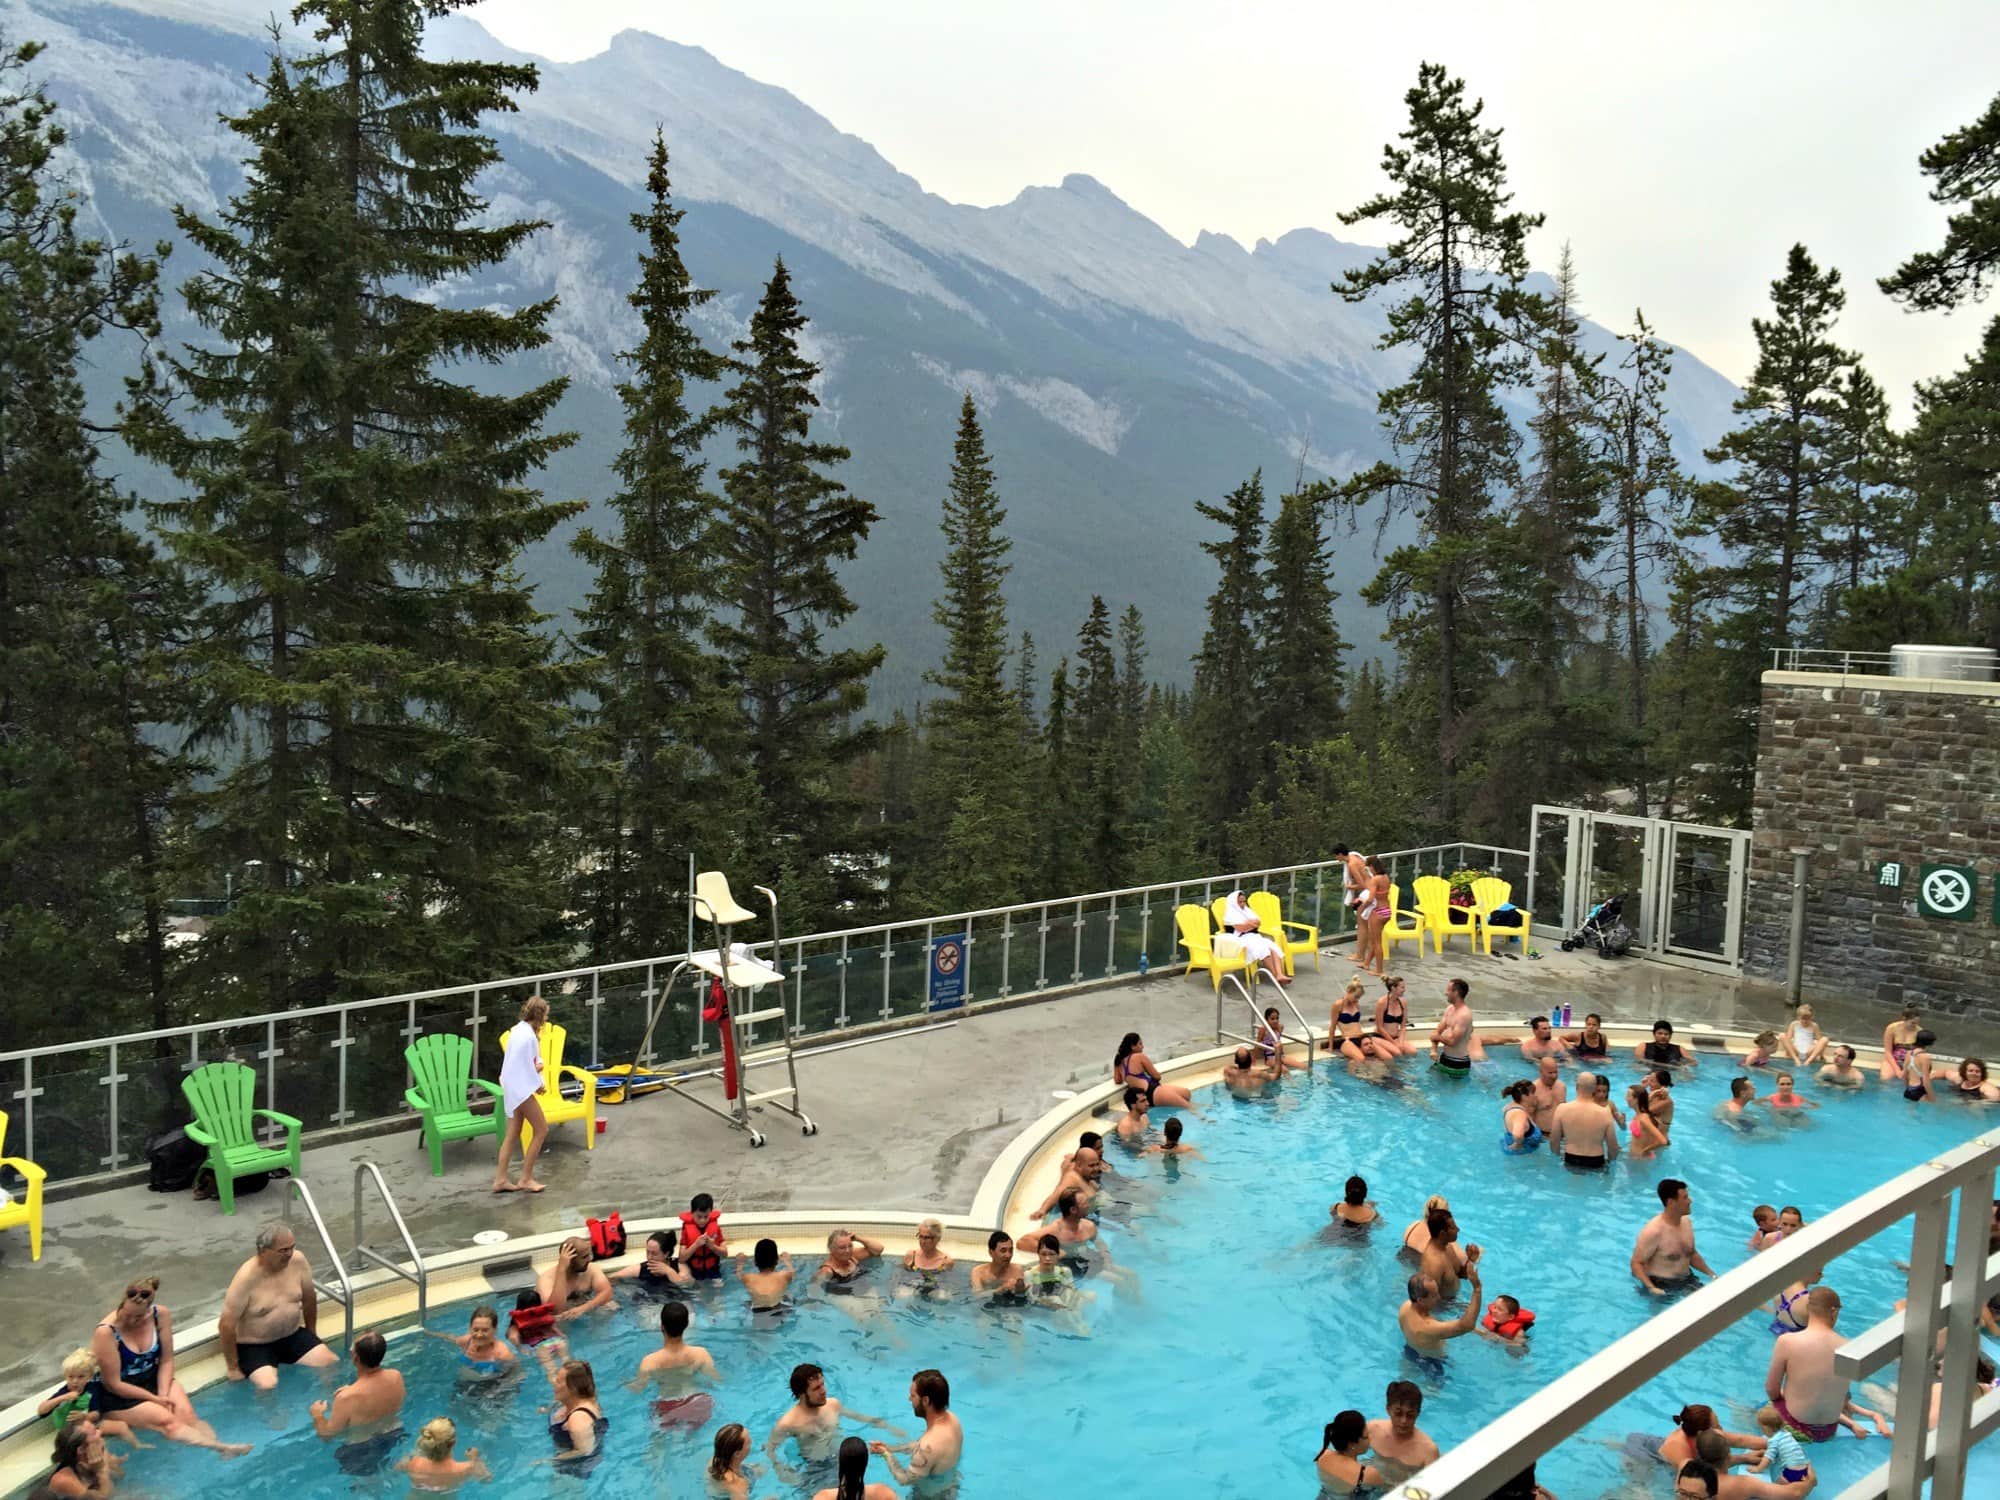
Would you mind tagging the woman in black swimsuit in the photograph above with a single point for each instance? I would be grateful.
(1392, 1019)
(1341, 1471)
(577, 1424)
(1131, 1068)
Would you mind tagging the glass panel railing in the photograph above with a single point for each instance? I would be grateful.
(375, 1068)
(72, 1125)
(306, 1073)
(819, 977)
(909, 973)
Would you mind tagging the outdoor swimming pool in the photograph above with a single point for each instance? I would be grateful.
(1252, 1324)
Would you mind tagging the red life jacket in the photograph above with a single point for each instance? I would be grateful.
(707, 1258)
(1513, 1327)
(607, 1236)
(533, 1324)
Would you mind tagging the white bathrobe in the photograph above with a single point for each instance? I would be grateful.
(1255, 944)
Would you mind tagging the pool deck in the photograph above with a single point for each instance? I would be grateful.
(911, 1124)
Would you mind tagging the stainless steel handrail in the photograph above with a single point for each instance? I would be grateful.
(344, 1293)
(418, 1273)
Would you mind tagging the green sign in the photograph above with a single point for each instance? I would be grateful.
(1947, 892)
(1889, 877)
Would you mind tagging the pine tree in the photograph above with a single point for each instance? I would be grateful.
(654, 687)
(1101, 753)
(1131, 674)
(1964, 168)
(1647, 490)
(976, 797)
(369, 653)
(1024, 688)
(1863, 509)
(785, 525)
(1954, 452)
(1223, 732)
(1298, 663)
(1458, 263)
(1167, 819)
(1060, 824)
(88, 620)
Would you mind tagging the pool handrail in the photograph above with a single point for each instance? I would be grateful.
(417, 1273)
(1490, 1457)
(344, 1292)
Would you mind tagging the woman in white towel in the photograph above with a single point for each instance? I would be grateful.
(520, 1083)
(1243, 922)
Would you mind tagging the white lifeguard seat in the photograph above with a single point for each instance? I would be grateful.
(714, 903)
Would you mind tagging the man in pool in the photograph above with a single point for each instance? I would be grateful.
(1808, 1396)
(932, 1472)
(678, 1369)
(1664, 1258)
(1245, 1073)
(1424, 1336)
(1549, 1095)
(1543, 1042)
(364, 1410)
(1399, 1447)
(1713, 1449)
(768, 1277)
(999, 1280)
(1735, 1111)
(1841, 1072)
(1663, 1051)
(1442, 1260)
(1582, 1133)
(1453, 1045)
(1077, 1234)
(812, 1424)
(1086, 1172)
(270, 1313)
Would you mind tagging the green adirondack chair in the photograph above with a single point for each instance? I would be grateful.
(223, 1096)
(442, 1068)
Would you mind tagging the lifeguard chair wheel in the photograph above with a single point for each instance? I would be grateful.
(809, 1128)
(756, 1139)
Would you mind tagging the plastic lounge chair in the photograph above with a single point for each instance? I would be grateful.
(1488, 896)
(1440, 916)
(223, 1097)
(1401, 927)
(1200, 944)
(557, 1109)
(1293, 937)
(442, 1068)
(26, 1210)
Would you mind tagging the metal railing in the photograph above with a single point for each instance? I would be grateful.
(416, 1273)
(343, 1292)
(1507, 1445)
(84, 1109)
(1258, 1027)
(1954, 663)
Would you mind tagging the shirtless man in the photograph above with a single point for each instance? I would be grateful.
(365, 1410)
(1134, 1123)
(1245, 1073)
(573, 1286)
(1807, 1395)
(1550, 1092)
(932, 1472)
(1424, 1336)
(270, 1314)
(678, 1369)
(1442, 1260)
(767, 1278)
(1070, 1226)
(1735, 1110)
(1453, 1045)
(1399, 1446)
(1543, 1043)
(1841, 1072)
(1664, 1258)
(1582, 1133)
(812, 1422)
(1086, 1169)
(999, 1279)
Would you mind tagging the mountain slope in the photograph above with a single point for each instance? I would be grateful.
(1122, 374)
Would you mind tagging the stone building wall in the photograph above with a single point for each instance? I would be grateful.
(1862, 771)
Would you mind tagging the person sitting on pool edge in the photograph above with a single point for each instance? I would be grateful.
(1663, 1051)
(270, 1314)
(371, 1401)
(1397, 1444)
(1355, 1207)
(1244, 1073)
(1130, 1066)
(1424, 1336)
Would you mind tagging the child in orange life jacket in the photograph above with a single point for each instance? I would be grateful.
(533, 1320)
(702, 1242)
(1507, 1321)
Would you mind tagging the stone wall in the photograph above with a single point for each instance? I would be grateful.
(1862, 771)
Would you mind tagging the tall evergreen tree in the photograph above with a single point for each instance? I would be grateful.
(1101, 753)
(1863, 512)
(1131, 674)
(1024, 687)
(1223, 733)
(1061, 813)
(1458, 264)
(786, 525)
(1955, 473)
(644, 806)
(1299, 672)
(88, 618)
(976, 796)
(1964, 169)
(369, 654)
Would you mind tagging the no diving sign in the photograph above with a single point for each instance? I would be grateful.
(948, 955)
(1947, 892)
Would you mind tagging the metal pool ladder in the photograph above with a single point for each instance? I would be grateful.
(1257, 1020)
(341, 1290)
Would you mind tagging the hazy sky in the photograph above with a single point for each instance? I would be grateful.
(1681, 148)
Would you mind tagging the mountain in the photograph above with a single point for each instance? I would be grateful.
(1122, 374)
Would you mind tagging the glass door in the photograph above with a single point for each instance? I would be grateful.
(1704, 894)
(1621, 856)
(1554, 838)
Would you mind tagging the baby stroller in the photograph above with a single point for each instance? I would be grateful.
(1603, 930)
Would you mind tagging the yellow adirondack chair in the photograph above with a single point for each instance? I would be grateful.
(1200, 944)
(1488, 896)
(555, 1108)
(1293, 937)
(1440, 916)
(26, 1210)
(1402, 926)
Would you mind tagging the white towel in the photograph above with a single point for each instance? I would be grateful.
(521, 1069)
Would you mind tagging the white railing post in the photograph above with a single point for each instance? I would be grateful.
(1006, 952)
(341, 1113)
(842, 1021)
(1961, 1339)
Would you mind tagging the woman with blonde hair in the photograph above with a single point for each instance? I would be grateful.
(1373, 916)
(726, 1474)
(520, 1084)
(1346, 1036)
(1417, 1238)
(433, 1466)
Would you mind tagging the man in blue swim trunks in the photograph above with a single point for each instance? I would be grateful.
(1424, 1336)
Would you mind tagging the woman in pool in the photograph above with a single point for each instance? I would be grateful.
(852, 1481)
(1133, 1069)
(1647, 1136)
(1589, 1044)
(1898, 1038)
(924, 1266)
(1661, 1083)
(1519, 1134)
(726, 1472)
(1968, 1084)
(434, 1467)
(1787, 1099)
(1788, 1313)
(577, 1422)
(1347, 1036)
(1417, 1237)
(1271, 1043)
(1690, 1423)
(662, 1266)
(82, 1467)
(485, 1353)
(1341, 1471)
(1804, 1042)
(1392, 1020)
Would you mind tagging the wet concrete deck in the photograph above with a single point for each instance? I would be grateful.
(912, 1123)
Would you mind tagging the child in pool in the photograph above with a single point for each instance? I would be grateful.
(1763, 1049)
(486, 1353)
(1785, 1455)
(433, 1467)
(1765, 1217)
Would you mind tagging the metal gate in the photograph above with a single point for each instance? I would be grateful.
(1682, 882)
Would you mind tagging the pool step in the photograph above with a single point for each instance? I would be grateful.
(752, 1017)
(781, 1093)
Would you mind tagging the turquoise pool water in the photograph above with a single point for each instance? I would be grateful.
(1248, 1326)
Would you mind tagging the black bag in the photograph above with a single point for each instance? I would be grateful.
(249, 1182)
(172, 1160)
(1506, 916)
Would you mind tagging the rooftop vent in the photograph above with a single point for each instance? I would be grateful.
(1944, 663)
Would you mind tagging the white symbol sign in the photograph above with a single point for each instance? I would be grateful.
(1947, 892)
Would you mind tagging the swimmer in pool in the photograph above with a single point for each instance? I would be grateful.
(1071, 1228)
(1398, 1445)
(1898, 1038)
(1736, 1111)
(1765, 1217)
(999, 1280)
(1172, 1148)
(365, 1410)
(1082, 1177)
(932, 1472)
(768, 1277)
(1519, 1134)
(1841, 1072)
(1584, 1132)
(485, 1352)
(851, 1480)
(434, 1466)
(1589, 1044)
(677, 1371)
(1664, 1257)
(1355, 1206)
(847, 1254)
(1762, 1051)
(1417, 1236)
(812, 1424)
(1917, 1068)
(1785, 1099)
(1425, 1336)
(1133, 1124)
(1051, 1283)
(1542, 1042)
(1550, 1094)
(925, 1266)
(1660, 1085)
(1967, 1084)
(573, 1286)
(1442, 1260)
(1244, 1074)
(662, 1266)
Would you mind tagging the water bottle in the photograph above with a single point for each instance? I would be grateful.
(1142, 966)
(1565, 1014)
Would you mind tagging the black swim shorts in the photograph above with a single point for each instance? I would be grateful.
(288, 1350)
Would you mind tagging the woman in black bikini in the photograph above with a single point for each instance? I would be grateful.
(1392, 1019)
(1341, 1471)
(1131, 1068)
